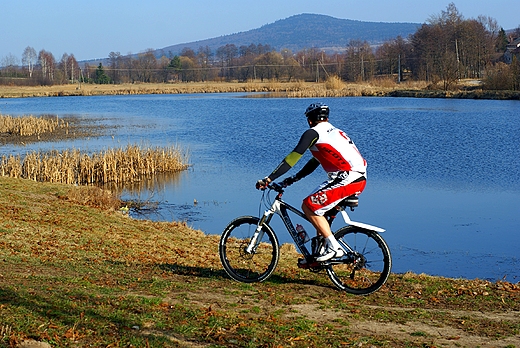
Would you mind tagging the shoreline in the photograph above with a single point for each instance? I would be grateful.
(296, 89)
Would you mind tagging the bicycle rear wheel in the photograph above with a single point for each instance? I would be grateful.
(248, 267)
(364, 270)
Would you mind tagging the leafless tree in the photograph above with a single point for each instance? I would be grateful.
(359, 61)
(268, 65)
(226, 55)
(9, 63)
(145, 65)
(48, 66)
(393, 58)
(73, 71)
(205, 61)
(29, 59)
(115, 65)
(188, 70)
(162, 66)
(63, 67)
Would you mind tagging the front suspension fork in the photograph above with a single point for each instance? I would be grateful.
(259, 232)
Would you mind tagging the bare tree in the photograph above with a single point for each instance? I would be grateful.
(226, 55)
(290, 65)
(188, 52)
(48, 66)
(268, 65)
(9, 63)
(115, 65)
(145, 65)
(393, 58)
(162, 65)
(359, 61)
(291, 68)
(63, 67)
(516, 32)
(29, 59)
(307, 60)
(73, 70)
(205, 59)
(188, 71)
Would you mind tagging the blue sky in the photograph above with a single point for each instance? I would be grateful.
(93, 29)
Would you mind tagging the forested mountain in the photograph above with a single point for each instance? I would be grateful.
(305, 31)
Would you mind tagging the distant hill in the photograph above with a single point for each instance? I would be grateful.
(298, 32)
(305, 31)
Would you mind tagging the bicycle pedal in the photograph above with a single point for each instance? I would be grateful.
(302, 263)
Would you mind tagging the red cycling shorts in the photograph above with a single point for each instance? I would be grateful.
(331, 192)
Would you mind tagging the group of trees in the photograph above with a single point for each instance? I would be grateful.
(445, 49)
(451, 48)
(42, 68)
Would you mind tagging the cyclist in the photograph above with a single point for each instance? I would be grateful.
(339, 157)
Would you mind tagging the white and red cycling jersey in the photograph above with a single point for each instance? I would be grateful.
(338, 155)
(336, 151)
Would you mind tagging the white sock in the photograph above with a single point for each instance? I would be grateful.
(332, 242)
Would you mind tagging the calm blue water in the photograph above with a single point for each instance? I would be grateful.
(443, 174)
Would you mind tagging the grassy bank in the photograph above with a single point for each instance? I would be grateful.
(331, 88)
(86, 275)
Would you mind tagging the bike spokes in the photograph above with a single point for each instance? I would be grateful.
(366, 266)
(240, 263)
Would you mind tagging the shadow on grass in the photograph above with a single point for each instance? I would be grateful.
(204, 272)
(60, 308)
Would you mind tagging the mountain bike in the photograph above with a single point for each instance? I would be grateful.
(249, 249)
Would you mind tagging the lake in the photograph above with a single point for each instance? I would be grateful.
(443, 174)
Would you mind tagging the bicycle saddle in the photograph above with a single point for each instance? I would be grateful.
(350, 201)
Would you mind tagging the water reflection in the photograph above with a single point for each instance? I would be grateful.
(146, 185)
(146, 198)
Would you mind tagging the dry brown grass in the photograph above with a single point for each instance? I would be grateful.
(78, 276)
(334, 83)
(149, 88)
(30, 125)
(120, 165)
(333, 87)
(293, 89)
(93, 196)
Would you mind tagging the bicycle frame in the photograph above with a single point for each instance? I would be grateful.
(282, 208)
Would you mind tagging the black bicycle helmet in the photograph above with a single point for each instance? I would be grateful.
(317, 112)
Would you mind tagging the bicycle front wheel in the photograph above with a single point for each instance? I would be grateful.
(240, 265)
(364, 269)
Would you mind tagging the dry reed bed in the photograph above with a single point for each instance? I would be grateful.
(152, 88)
(120, 165)
(30, 125)
(332, 87)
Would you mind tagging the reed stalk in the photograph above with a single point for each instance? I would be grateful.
(121, 165)
(30, 125)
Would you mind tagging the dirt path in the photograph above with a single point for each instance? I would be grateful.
(393, 326)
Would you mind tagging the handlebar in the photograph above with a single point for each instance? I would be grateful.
(278, 187)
